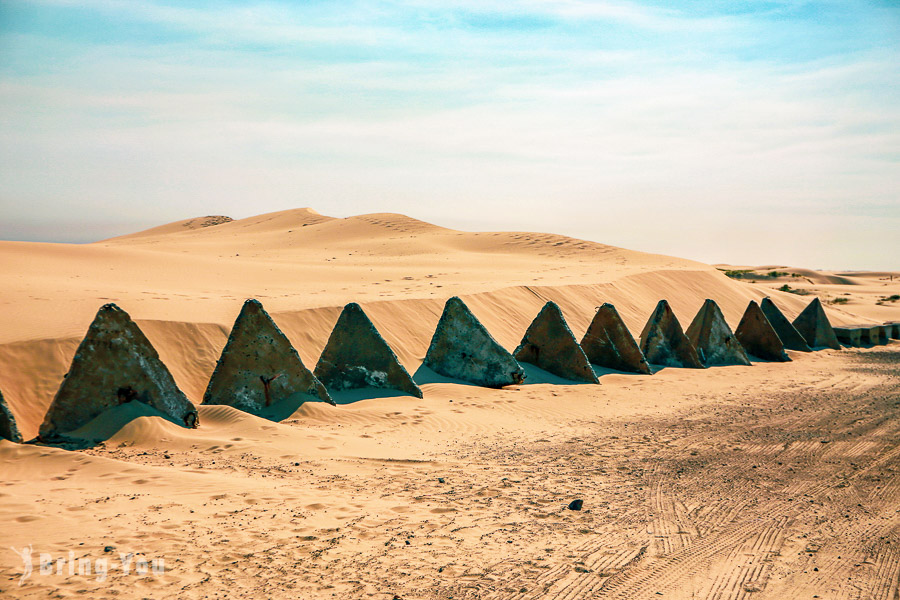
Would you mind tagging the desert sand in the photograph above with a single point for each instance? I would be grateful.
(778, 480)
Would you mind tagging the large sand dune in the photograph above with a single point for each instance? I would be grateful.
(713, 483)
(184, 283)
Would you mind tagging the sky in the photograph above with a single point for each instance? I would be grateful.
(724, 131)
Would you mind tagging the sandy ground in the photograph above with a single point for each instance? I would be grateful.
(770, 481)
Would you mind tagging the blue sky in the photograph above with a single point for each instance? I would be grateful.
(743, 132)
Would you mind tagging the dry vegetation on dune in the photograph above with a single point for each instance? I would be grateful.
(778, 480)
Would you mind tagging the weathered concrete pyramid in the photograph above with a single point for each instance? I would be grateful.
(356, 356)
(885, 331)
(608, 343)
(463, 349)
(549, 344)
(713, 338)
(815, 328)
(8, 428)
(114, 364)
(259, 367)
(758, 337)
(787, 333)
(663, 341)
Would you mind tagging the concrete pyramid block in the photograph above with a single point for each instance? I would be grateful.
(8, 428)
(788, 334)
(815, 328)
(608, 343)
(463, 349)
(356, 356)
(259, 367)
(549, 344)
(885, 331)
(663, 341)
(713, 338)
(758, 337)
(872, 335)
(114, 364)
(850, 336)
(894, 329)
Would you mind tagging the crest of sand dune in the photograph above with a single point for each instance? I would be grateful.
(184, 283)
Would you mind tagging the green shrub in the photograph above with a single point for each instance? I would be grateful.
(736, 273)
(789, 289)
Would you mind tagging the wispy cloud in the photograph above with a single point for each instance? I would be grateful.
(555, 114)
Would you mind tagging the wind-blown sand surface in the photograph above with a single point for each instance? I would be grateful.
(770, 481)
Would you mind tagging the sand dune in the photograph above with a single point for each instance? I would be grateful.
(184, 285)
(708, 483)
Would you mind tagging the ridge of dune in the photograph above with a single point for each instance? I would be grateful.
(284, 233)
(202, 226)
(177, 227)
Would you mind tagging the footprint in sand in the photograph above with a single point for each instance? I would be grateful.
(28, 518)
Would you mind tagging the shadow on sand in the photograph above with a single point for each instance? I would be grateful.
(601, 371)
(342, 397)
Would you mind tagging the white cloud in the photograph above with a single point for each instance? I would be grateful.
(628, 145)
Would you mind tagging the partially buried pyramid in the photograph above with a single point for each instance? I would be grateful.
(114, 364)
(463, 349)
(8, 428)
(815, 328)
(663, 341)
(356, 356)
(758, 337)
(549, 344)
(713, 338)
(788, 334)
(608, 343)
(259, 367)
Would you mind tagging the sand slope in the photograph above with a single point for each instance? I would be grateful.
(779, 480)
